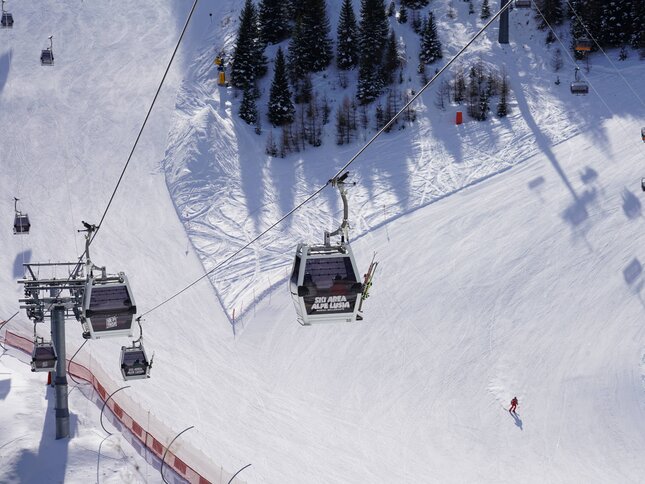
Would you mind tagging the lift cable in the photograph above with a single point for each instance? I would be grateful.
(603, 51)
(74, 272)
(69, 363)
(602, 99)
(339, 172)
(134, 146)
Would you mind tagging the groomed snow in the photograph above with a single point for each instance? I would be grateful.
(525, 283)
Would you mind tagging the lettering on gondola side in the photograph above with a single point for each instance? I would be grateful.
(330, 304)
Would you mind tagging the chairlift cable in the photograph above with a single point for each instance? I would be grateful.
(246, 246)
(603, 52)
(602, 99)
(339, 172)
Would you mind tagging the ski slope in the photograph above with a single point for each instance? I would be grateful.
(510, 259)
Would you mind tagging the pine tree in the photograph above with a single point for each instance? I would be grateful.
(616, 24)
(415, 4)
(248, 108)
(347, 36)
(310, 49)
(471, 7)
(390, 60)
(638, 26)
(391, 8)
(403, 15)
(280, 106)
(485, 13)
(274, 21)
(430, 45)
(373, 34)
(370, 82)
(248, 62)
(502, 105)
(373, 29)
(550, 11)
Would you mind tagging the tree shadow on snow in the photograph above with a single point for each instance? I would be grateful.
(576, 213)
(631, 205)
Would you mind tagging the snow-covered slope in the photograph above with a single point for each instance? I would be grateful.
(527, 283)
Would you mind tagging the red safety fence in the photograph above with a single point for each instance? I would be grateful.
(143, 437)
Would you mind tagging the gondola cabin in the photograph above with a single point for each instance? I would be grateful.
(21, 224)
(134, 362)
(325, 284)
(43, 357)
(523, 3)
(108, 307)
(47, 58)
(583, 44)
(6, 22)
(579, 88)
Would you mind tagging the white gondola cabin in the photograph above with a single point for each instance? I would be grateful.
(325, 284)
(43, 356)
(134, 362)
(6, 20)
(108, 307)
(21, 223)
(47, 55)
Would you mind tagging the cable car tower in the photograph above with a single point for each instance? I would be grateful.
(53, 297)
(324, 284)
(6, 21)
(103, 304)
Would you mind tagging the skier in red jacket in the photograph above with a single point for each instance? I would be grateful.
(514, 403)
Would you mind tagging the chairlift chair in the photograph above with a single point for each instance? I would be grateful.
(583, 44)
(134, 362)
(523, 3)
(43, 356)
(108, 307)
(578, 86)
(324, 283)
(21, 224)
(47, 55)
